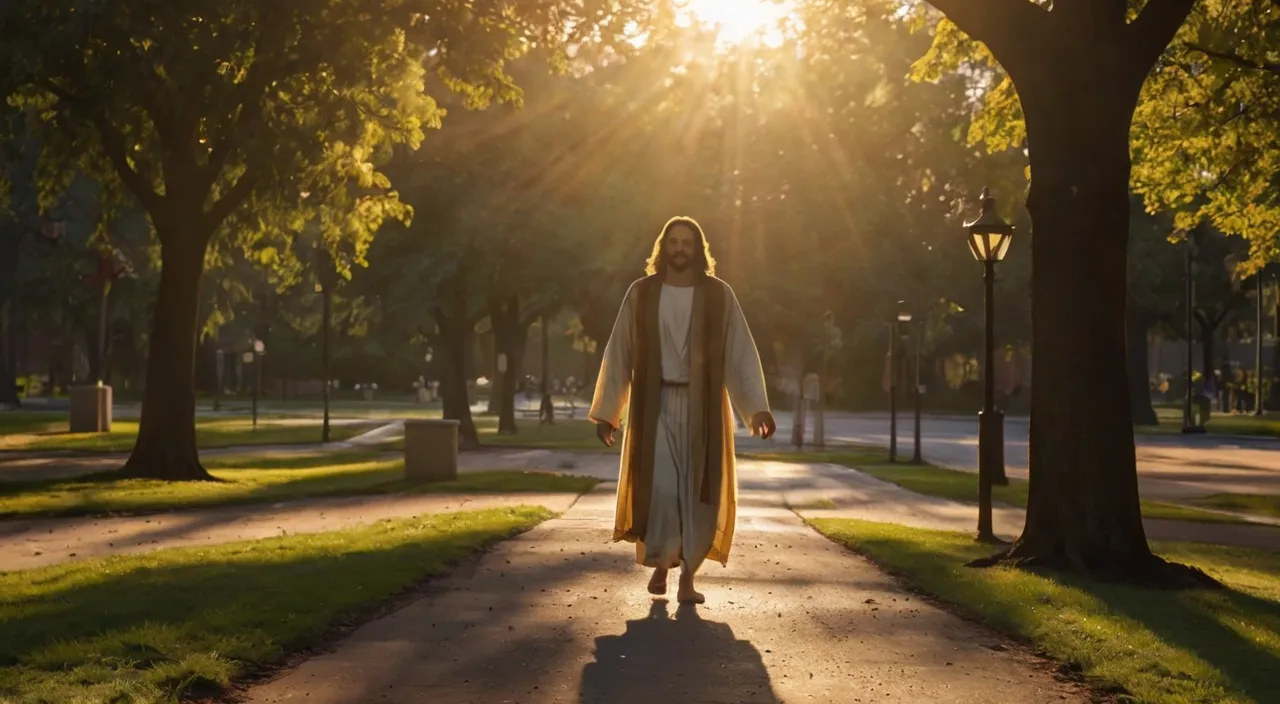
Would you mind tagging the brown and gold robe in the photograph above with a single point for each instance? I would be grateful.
(677, 362)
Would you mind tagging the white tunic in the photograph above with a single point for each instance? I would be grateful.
(680, 528)
(675, 308)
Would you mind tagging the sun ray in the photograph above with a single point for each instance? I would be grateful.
(741, 21)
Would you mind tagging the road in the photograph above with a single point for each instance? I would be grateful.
(1170, 467)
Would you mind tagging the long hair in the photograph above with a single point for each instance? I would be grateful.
(656, 264)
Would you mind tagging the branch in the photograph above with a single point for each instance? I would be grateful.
(1151, 32)
(112, 143)
(232, 199)
(266, 69)
(1238, 60)
(1009, 28)
(539, 306)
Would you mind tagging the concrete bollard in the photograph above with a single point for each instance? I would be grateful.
(430, 450)
(91, 409)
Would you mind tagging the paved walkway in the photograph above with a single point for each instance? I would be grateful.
(1170, 467)
(31, 543)
(560, 614)
(861, 496)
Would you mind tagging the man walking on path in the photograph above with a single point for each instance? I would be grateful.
(679, 354)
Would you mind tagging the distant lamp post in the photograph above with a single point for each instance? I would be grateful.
(259, 351)
(220, 365)
(898, 324)
(1257, 352)
(917, 456)
(547, 409)
(989, 239)
(1189, 424)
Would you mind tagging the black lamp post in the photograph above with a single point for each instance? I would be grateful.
(1257, 352)
(326, 280)
(989, 239)
(897, 324)
(916, 455)
(259, 350)
(547, 411)
(1189, 425)
(220, 366)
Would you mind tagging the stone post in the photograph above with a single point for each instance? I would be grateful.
(431, 450)
(91, 409)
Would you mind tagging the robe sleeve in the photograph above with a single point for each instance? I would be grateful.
(743, 375)
(613, 385)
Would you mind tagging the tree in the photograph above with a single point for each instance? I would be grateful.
(1208, 126)
(202, 112)
(1076, 72)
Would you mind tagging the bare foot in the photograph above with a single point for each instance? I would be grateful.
(658, 582)
(687, 594)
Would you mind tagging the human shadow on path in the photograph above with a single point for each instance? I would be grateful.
(681, 659)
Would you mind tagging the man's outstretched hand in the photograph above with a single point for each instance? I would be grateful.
(762, 425)
(605, 432)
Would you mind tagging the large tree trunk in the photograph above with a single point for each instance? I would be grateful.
(1140, 371)
(1078, 69)
(1082, 511)
(166, 446)
(455, 335)
(495, 384)
(1208, 337)
(510, 335)
(1273, 397)
(8, 359)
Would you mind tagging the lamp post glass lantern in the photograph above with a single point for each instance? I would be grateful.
(989, 240)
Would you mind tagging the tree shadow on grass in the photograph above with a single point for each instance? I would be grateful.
(1213, 625)
(1224, 628)
(685, 659)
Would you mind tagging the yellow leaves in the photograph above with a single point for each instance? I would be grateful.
(951, 50)
(998, 123)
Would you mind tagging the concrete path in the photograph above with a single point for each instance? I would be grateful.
(28, 543)
(25, 544)
(560, 614)
(1170, 467)
(31, 543)
(861, 496)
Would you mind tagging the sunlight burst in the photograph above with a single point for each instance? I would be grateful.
(738, 21)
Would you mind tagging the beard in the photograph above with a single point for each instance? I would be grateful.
(678, 263)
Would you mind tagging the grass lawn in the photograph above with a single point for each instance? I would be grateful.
(156, 627)
(210, 433)
(1161, 647)
(566, 434)
(1262, 504)
(250, 480)
(1219, 423)
(31, 422)
(963, 486)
